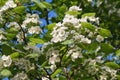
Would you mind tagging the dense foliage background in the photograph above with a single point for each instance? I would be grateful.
(60, 39)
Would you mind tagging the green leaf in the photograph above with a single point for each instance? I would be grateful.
(19, 9)
(67, 42)
(33, 55)
(5, 73)
(88, 26)
(88, 15)
(44, 63)
(40, 5)
(42, 59)
(56, 72)
(73, 12)
(6, 49)
(92, 47)
(112, 65)
(51, 26)
(48, 5)
(15, 55)
(118, 52)
(105, 32)
(107, 48)
(118, 77)
(62, 78)
(34, 41)
(2, 2)
(10, 36)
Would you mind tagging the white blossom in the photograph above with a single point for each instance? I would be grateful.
(20, 76)
(53, 60)
(2, 37)
(76, 55)
(34, 30)
(99, 38)
(8, 4)
(14, 24)
(45, 78)
(20, 37)
(75, 8)
(6, 60)
(85, 40)
(89, 0)
(59, 33)
(71, 20)
(103, 77)
(53, 67)
(30, 18)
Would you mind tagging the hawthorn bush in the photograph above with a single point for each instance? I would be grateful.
(81, 43)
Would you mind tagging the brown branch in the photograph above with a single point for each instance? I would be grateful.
(23, 33)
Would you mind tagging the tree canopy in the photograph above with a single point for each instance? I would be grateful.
(78, 39)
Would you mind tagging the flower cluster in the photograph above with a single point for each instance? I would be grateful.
(75, 53)
(14, 24)
(20, 76)
(72, 28)
(23, 64)
(94, 69)
(6, 60)
(53, 55)
(9, 4)
(34, 30)
(30, 19)
(59, 33)
(2, 35)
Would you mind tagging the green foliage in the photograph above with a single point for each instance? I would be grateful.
(7, 50)
(88, 26)
(15, 55)
(68, 42)
(112, 65)
(56, 72)
(32, 55)
(69, 58)
(73, 13)
(105, 32)
(19, 10)
(88, 15)
(34, 41)
(107, 48)
(118, 52)
(5, 73)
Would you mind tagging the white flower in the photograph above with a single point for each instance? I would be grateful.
(91, 34)
(34, 18)
(8, 4)
(99, 38)
(45, 78)
(53, 60)
(89, 0)
(85, 40)
(6, 60)
(72, 21)
(53, 67)
(2, 37)
(14, 24)
(59, 33)
(103, 77)
(55, 53)
(92, 62)
(75, 8)
(76, 55)
(20, 37)
(34, 30)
